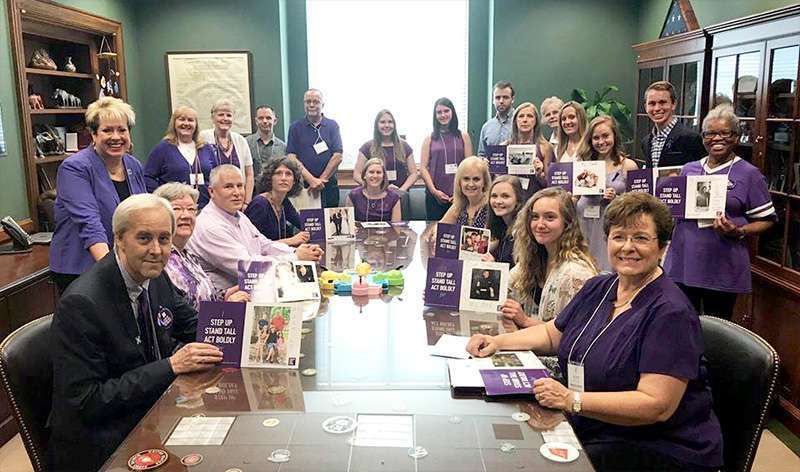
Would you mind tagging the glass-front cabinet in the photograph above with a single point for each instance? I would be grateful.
(682, 59)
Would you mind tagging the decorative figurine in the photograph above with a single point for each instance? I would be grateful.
(41, 60)
(35, 101)
(64, 99)
(69, 66)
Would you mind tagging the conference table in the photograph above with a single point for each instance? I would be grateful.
(372, 363)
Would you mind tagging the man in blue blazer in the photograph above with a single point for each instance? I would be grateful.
(120, 336)
(670, 143)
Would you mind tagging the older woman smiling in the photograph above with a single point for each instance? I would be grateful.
(631, 345)
(183, 267)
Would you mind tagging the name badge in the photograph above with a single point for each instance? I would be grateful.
(450, 168)
(197, 180)
(164, 317)
(575, 376)
(391, 175)
(705, 223)
(320, 147)
(524, 182)
(592, 211)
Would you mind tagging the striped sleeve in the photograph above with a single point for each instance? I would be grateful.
(759, 201)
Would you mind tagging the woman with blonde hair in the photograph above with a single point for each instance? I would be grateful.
(526, 128)
(602, 141)
(572, 126)
(181, 156)
(470, 194)
(550, 108)
(552, 258)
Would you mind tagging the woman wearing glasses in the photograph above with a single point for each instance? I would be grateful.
(748, 212)
(631, 346)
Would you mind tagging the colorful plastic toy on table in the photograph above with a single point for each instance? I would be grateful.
(328, 278)
(366, 284)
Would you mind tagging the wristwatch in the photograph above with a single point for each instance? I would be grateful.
(576, 403)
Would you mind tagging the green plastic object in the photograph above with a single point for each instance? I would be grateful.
(395, 277)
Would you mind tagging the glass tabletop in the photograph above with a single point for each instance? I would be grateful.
(372, 365)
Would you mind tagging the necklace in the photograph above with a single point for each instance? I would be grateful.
(644, 284)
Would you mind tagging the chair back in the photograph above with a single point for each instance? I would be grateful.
(26, 374)
(743, 372)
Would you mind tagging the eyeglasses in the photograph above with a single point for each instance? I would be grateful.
(724, 134)
(640, 240)
(192, 210)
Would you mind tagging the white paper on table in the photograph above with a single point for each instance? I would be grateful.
(200, 431)
(562, 433)
(451, 346)
(384, 431)
(466, 372)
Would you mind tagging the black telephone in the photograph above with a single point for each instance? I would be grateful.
(22, 241)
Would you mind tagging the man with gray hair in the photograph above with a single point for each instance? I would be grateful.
(120, 336)
(224, 235)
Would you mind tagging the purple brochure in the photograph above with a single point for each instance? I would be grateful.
(447, 237)
(511, 381)
(672, 191)
(313, 221)
(640, 180)
(497, 159)
(560, 174)
(222, 324)
(443, 282)
(251, 273)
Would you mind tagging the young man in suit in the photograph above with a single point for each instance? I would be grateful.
(120, 336)
(670, 143)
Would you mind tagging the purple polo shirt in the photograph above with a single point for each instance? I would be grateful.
(167, 164)
(302, 137)
(659, 334)
(84, 206)
(748, 199)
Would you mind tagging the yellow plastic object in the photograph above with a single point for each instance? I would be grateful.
(363, 268)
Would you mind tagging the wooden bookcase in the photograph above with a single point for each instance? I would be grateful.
(63, 32)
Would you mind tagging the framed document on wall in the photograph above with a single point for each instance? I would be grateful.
(199, 79)
(2, 136)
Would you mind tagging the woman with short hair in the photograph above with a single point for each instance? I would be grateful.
(91, 183)
(230, 147)
(181, 156)
(550, 108)
(748, 212)
(271, 211)
(183, 268)
(442, 152)
(374, 200)
(630, 342)
(572, 126)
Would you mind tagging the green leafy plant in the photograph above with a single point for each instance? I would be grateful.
(602, 104)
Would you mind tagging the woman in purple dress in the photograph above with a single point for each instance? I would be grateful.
(638, 395)
(183, 268)
(374, 200)
(471, 194)
(441, 153)
(271, 212)
(748, 212)
(602, 141)
(181, 156)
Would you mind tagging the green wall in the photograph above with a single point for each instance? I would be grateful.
(708, 12)
(550, 47)
(13, 193)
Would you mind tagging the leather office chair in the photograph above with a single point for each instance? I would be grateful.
(26, 373)
(743, 372)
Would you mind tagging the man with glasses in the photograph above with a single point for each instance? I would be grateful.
(315, 143)
(670, 143)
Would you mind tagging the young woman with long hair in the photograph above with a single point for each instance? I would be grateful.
(526, 128)
(572, 126)
(505, 201)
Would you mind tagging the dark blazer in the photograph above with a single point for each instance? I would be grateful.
(683, 145)
(102, 385)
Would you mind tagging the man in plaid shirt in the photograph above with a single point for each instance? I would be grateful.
(671, 143)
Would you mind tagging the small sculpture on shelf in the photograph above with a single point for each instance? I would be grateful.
(41, 60)
(109, 83)
(69, 66)
(48, 141)
(35, 101)
(64, 99)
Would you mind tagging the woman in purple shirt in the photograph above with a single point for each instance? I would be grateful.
(388, 146)
(374, 200)
(442, 152)
(181, 156)
(271, 212)
(631, 345)
(90, 184)
(748, 212)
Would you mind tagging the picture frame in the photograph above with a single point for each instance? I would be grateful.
(3, 149)
(199, 78)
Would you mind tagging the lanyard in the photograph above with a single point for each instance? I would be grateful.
(282, 232)
(316, 128)
(369, 205)
(444, 146)
(218, 147)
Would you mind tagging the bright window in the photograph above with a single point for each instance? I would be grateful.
(400, 55)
